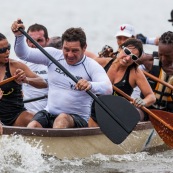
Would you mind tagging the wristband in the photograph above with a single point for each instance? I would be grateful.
(90, 86)
(150, 41)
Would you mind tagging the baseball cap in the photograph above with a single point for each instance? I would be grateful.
(171, 20)
(125, 30)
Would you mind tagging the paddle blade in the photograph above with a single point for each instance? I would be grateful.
(164, 127)
(124, 115)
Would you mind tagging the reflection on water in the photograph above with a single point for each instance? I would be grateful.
(17, 155)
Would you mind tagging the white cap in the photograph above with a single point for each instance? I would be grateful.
(125, 30)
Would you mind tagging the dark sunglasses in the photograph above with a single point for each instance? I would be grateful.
(128, 52)
(4, 49)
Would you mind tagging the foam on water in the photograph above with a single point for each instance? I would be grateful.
(142, 162)
(18, 155)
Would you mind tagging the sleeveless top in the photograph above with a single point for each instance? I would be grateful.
(11, 103)
(123, 84)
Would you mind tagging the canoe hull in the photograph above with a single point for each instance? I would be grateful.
(82, 143)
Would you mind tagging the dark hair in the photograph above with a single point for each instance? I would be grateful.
(74, 34)
(38, 27)
(134, 43)
(55, 42)
(166, 38)
(2, 37)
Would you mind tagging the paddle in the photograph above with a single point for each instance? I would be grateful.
(158, 80)
(161, 120)
(35, 99)
(165, 130)
(114, 122)
(7, 80)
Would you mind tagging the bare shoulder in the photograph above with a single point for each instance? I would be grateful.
(90, 54)
(137, 74)
(17, 64)
(103, 61)
(137, 78)
(138, 71)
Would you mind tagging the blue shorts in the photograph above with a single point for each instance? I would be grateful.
(46, 119)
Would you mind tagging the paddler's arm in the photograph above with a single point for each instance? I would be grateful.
(25, 75)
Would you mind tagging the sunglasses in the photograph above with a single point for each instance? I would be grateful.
(4, 49)
(128, 52)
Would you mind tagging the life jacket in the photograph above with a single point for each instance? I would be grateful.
(163, 94)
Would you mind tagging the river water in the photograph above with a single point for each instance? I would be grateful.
(17, 155)
(99, 19)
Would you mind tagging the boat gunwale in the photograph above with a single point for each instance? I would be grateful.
(69, 132)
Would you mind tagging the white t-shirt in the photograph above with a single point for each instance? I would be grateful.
(62, 95)
(30, 92)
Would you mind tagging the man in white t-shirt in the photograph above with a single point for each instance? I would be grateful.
(68, 103)
(40, 34)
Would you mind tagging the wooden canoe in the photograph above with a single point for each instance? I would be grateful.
(84, 142)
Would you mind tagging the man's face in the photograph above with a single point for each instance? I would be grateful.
(166, 57)
(121, 39)
(73, 53)
(38, 36)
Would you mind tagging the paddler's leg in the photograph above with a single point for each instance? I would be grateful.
(41, 119)
(24, 118)
(63, 121)
(34, 124)
(92, 123)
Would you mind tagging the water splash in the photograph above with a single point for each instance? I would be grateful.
(20, 156)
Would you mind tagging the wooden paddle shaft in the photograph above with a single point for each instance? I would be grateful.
(158, 80)
(7, 80)
(143, 108)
